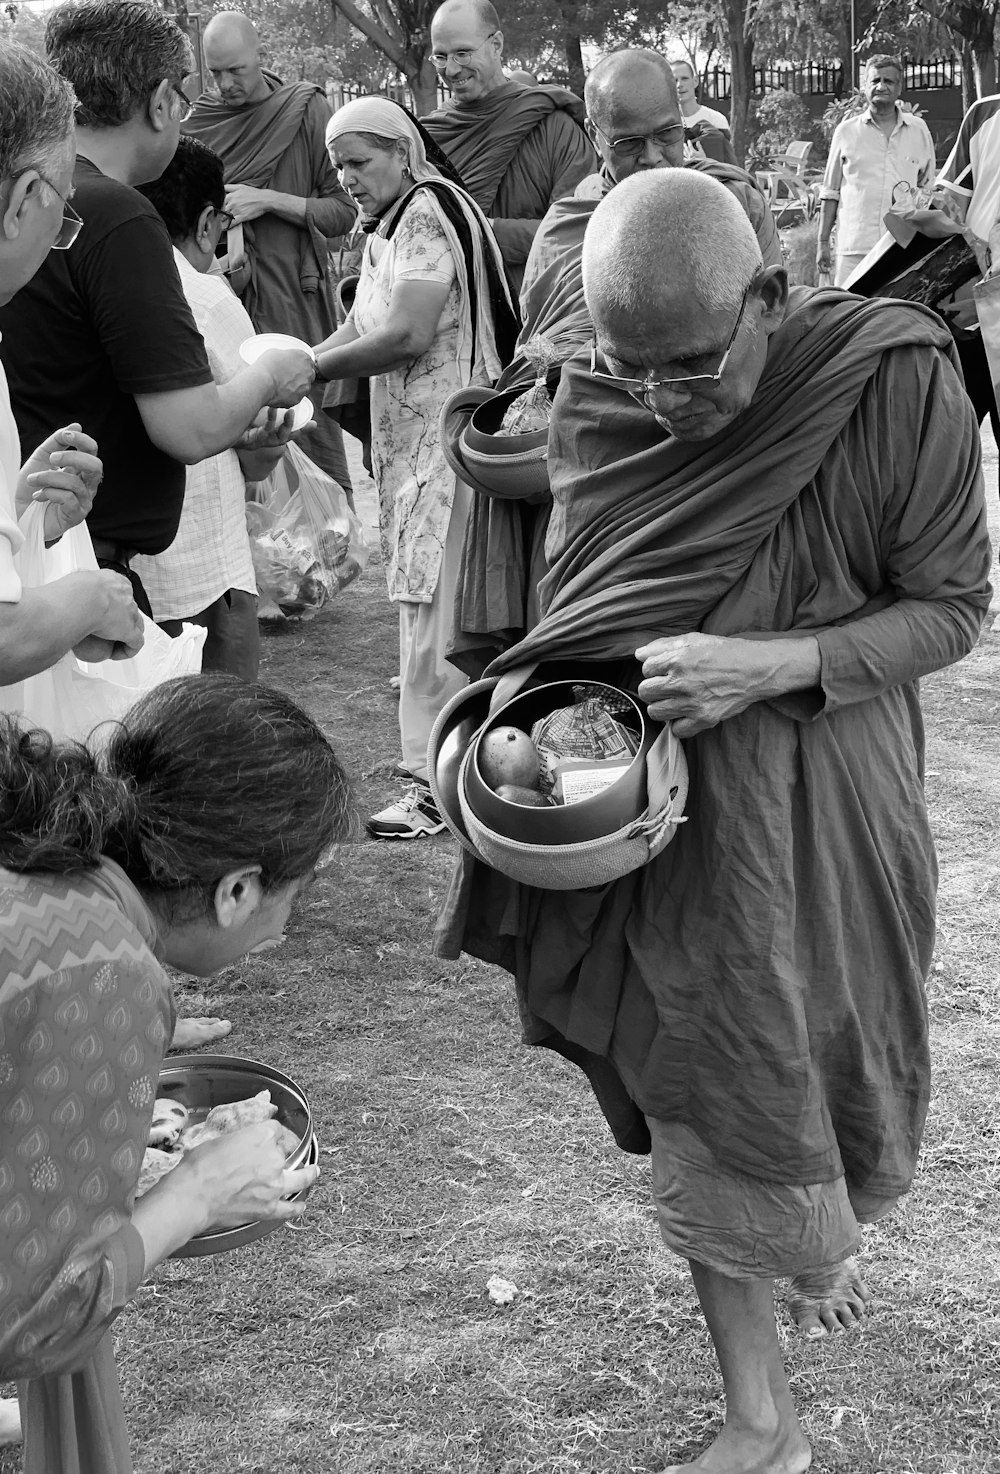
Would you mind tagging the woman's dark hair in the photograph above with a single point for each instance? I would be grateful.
(193, 179)
(204, 775)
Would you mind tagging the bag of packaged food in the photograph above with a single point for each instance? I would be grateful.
(584, 748)
(305, 541)
(532, 410)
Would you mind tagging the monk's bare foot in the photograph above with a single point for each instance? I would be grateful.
(195, 1033)
(784, 1450)
(832, 1299)
(10, 1421)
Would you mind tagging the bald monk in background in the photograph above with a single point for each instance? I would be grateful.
(282, 189)
(518, 148)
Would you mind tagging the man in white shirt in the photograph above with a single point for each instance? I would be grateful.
(877, 160)
(206, 576)
(694, 113)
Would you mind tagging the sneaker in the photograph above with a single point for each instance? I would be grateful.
(411, 817)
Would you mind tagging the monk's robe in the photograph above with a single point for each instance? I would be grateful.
(279, 143)
(518, 149)
(762, 980)
(504, 556)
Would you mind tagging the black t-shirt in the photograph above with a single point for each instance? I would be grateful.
(103, 321)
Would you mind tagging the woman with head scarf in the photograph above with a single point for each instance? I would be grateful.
(432, 314)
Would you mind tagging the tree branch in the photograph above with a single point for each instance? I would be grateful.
(374, 33)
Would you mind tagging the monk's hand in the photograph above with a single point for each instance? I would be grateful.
(245, 203)
(697, 681)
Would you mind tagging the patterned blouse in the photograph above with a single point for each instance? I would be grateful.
(86, 1014)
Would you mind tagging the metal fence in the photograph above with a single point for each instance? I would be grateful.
(340, 92)
(824, 80)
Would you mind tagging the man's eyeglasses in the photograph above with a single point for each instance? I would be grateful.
(225, 219)
(188, 107)
(71, 222)
(440, 59)
(645, 386)
(633, 144)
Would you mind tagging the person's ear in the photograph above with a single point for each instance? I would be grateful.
(237, 896)
(158, 108)
(772, 288)
(498, 43)
(203, 229)
(12, 213)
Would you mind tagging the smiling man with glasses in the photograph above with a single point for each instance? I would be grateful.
(517, 148)
(768, 522)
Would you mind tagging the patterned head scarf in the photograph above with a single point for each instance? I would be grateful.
(385, 119)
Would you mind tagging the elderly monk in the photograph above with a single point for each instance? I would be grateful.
(517, 148)
(768, 521)
(282, 192)
(634, 120)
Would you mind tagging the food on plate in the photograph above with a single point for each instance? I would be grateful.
(169, 1120)
(222, 1120)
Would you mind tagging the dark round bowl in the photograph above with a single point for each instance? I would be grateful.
(456, 725)
(510, 466)
(201, 1081)
(221, 1240)
(592, 818)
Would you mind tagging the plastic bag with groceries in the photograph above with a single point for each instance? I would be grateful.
(305, 541)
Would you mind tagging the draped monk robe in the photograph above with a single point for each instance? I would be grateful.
(762, 980)
(504, 553)
(279, 143)
(518, 149)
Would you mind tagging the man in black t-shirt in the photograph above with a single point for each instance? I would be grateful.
(103, 334)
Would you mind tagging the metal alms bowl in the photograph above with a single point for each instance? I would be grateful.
(593, 818)
(457, 723)
(201, 1081)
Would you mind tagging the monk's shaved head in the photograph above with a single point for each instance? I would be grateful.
(478, 12)
(623, 74)
(467, 48)
(667, 234)
(232, 54)
(232, 28)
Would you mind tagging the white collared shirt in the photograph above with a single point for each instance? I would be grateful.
(865, 166)
(211, 552)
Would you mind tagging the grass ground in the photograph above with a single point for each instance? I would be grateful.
(364, 1341)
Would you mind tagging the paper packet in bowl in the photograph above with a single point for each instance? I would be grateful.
(584, 747)
(532, 410)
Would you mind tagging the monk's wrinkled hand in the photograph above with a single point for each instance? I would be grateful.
(697, 681)
(245, 203)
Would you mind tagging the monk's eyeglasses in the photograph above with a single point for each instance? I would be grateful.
(645, 386)
(71, 222)
(188, 107)
(631, 146)
(440, 59)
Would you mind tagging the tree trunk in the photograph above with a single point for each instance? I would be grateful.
(570, 17)
(423, 82)
(984, 63)
(741, 63)
(968, 77)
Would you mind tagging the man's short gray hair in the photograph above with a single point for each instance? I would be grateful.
(114, 53)
(884, 60)
(36, 112)
(668, 230)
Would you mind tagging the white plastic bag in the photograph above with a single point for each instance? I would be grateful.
(306, 542)
(73, 697)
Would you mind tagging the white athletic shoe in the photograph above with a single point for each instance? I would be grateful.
(410, 817)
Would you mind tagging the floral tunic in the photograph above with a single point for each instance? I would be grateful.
(416, 486)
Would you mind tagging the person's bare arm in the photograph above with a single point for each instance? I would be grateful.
(415, 309)
(193, 424)
(51, 619)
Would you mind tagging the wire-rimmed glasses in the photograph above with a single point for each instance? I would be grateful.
(645, 386)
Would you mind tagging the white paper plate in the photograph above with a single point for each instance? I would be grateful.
(252, 349)
(303, 413)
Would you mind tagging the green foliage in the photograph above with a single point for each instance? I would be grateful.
(776, 120)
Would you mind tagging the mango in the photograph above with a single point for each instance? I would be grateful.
(508, 755)
(514, 793)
